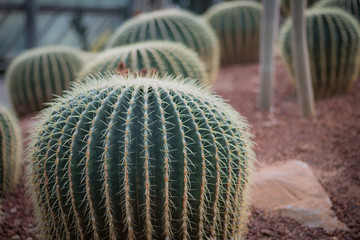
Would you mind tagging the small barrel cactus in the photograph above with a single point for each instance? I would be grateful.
(168, 58)
(11, 151)
(285, 6)
(172, 25)
(36, 75)
(351, 6)
(333, 38)
(237, 26)
(140, 158)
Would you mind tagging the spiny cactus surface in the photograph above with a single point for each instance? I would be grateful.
(333, 38)
(140, 158)
(36, 75)
(10, 151)
(172, 25)
(168, 58)
(237, 26)
(351, 6)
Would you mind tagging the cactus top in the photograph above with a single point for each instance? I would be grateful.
(168, 58)
(141, 158)
(36, 75)
(351, 6)
(172, 25)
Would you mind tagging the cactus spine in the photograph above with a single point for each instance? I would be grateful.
(168, 58)
(333, 38)
(351, 6)
(35, 76)
(172, 25)
(141, 158)
(10, 151)
(237, 26)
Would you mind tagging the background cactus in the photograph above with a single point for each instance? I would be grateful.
(333, 38)
(11, 151)
(166, 57)
(285, 6)
(173, 25)
(36, 75)
(140, 158)
(237, 26)
(351, 6)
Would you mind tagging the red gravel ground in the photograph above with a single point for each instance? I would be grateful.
(329, 143)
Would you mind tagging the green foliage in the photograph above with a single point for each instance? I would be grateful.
(333, 38)
(237, 26)
(351, 6)
(172, 25)
(140, 157)
(36, 75)
(10, 151)
(168, 58)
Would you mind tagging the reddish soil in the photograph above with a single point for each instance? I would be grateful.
(329, 143)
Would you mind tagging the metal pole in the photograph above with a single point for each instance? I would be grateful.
(31, 12)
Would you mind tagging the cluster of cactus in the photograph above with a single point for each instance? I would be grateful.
(351, 6)
(11, 151)
(140, 158)
(168, 58)
(172, 25)
(285, 5)
(333, 38)
(237, 26)
(35, 76)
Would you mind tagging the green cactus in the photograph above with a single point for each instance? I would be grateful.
(140, 158)
(285, 6)
(172, 25)
(237, 26)
(10, 151)
(168, 58)
(333, 38)
(36, 75)
(351, 6)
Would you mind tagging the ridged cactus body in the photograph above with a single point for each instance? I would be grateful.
(237, 26)
(172, 25)
(333, 38)
(167, 58)
(11, 151)
(351, 6)
(36, 75)
(141, 158)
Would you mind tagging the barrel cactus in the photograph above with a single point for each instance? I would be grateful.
(168, 58)
(351, 6)
(333, 38)
(172, 25)
(237, 26)
(140, 158)
(36, 75)
(11, 151)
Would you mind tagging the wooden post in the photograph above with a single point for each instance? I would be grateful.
(269, 29)
(301, 59)
(31, 12)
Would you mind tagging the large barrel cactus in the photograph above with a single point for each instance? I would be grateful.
(351, 6)
(168, 58)
(237, 26)
(140, 158)
(333, 38)
(35, 76)
(172, 25)
(11, 151)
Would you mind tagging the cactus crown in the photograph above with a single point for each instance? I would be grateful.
(36, 75)
(168, 58)
(351, 6)
(172, 25)
(237, 26)
(140, 158)
(333, 38)
(10, 151)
